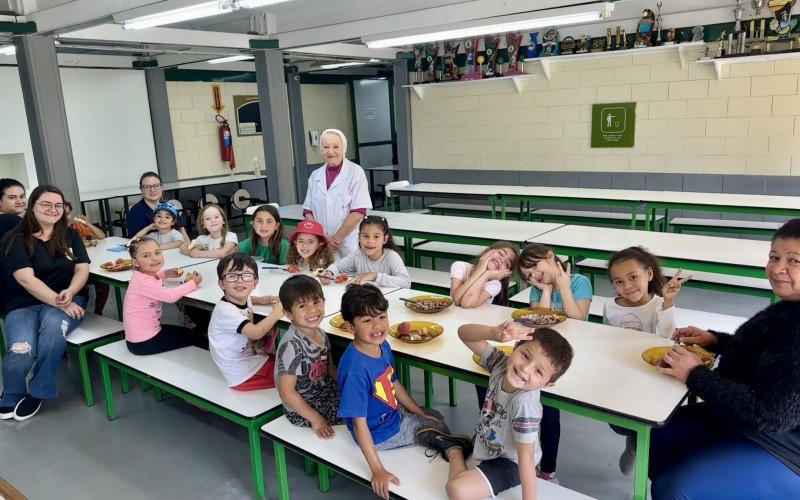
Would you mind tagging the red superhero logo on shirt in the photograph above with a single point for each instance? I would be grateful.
(384, 388)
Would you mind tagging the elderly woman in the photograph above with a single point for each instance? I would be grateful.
(12, 204)
(743, 440)
(141, 213)
(46, 268)
(338, 194)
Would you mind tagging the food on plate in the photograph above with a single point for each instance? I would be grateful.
(179, 272)
(428, 304)
(188, 277)
(404, 328)
(293, 269)
(414, 336)
(341, 278)
(540, 319)
(416, 332)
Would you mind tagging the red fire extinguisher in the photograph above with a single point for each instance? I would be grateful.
(226, 142)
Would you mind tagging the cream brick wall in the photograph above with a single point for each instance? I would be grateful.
(686, 120)
(195, 132)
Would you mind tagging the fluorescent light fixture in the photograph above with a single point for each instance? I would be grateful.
(341, 65)
(516, 22)
(229, 59)
(8, 50)
(197, 11)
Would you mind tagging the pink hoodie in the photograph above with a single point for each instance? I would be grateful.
(141, 315)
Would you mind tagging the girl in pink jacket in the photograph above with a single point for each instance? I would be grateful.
(144, 333)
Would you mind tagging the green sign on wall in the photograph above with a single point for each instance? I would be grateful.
(613, 125)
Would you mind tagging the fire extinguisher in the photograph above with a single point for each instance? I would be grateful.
(226, 142)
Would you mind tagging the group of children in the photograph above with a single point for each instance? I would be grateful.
(364, 392)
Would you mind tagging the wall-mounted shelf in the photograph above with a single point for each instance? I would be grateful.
(681, 48)
(726, 61)
(518, 81)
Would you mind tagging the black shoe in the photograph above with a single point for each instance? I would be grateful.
(439, 442)
(27, 408)
(6, 412)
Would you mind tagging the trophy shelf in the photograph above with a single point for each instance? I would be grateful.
(719, 63)
(681, 48)
(517, 80)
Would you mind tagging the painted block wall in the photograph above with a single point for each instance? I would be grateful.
(196, 133)
(326, 106)
(747, 123)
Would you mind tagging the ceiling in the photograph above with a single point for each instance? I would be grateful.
(307, 30)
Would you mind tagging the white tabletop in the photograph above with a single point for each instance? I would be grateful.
(686, 247)
(295, 213)
(441, 188)
(382, 168)
(724, 199)
(607, 372)
(100, 255)
(86, 196)
(467, 227)
(192, 370)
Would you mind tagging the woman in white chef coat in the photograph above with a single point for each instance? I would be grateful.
(338, 194)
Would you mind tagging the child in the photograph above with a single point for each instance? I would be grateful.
(144, 333)
(378, 411)
(85, 230)
(305, 371)
(309, 248)
(485, 282)
(240, 348)
(554, 287)
(507, 435)
(645, 301)
(267, 240)
(163, 229)
(215, 241)
(377, 259)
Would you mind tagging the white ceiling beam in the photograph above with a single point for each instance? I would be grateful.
(79, 13)
(83, 61)
(162, 36)
(346, 50)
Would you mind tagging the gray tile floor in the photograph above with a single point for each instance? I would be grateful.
(173, 450)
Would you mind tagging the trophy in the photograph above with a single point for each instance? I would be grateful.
(533, 46)
(738, 33)
(550, 43)
(644, 29)
(567, 45)
(584, 44)
(513, 41)
(608, 39)
(781, 24)
(432, 51)
(449, 69)
(418, 54)
(471, 71)
(491, 43)
(720, 46)
(698, 34)
(599, 44)
(757, 28)
(659, 22)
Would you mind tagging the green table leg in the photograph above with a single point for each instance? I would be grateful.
(256, 461)
(453, 392)
(279, 452)
(665, 223)
(118, 297)
(311, 467)
(144, 386)
(324, 479)
(493, 199)
(633, 217)
(642, 463)
(408, 248)
(83, 362)
(124, 383)
(157, 396)
(407, 376)
(428, 388)
(110, 412)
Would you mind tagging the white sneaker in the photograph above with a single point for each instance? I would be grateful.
(627, 460)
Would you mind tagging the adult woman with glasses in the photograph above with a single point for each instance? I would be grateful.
(141, 213)
(45, 269)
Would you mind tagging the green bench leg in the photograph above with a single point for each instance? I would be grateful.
(311, 466)
(324, 477)
(280, 470)
(124, 382)
(83, 362)
(106, 374)
(118, 297)
(453, 392)
(406, 369)
(256, 461)
(144, 386)
(157, 396)
(428, 388)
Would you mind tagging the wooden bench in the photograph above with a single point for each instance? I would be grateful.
(420, 478)
(685, 317)
(93, 332)
(469, 210)
(757, 287)
(759, 228)
(592, 217)
(191, 374)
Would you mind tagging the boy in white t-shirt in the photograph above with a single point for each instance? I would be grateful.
(244, 351)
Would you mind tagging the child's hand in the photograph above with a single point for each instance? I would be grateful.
(694, 335)
(499, 274)
(321, 427)
(265, 300)
(483, 262)
(508, 331)
(545, 287)
(277, 309)
(173, 273)
(361, 278)
(197, 278)
(380, 482)
(560, 274)
(195, 252)
(430, 417)
(673, 286)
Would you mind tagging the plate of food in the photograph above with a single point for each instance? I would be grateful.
(90, 243)
(428, 304)
(505, 348)
(416, 332)
(538, 316)
(118, 265)
(654, 354)
(327, 279)
(337, 322)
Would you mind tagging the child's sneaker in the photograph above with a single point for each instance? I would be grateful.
(6, 412)
(627, 461)
(439, 442)
(550, 477)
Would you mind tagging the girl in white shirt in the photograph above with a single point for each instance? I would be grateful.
(215, 241)
(487, 280)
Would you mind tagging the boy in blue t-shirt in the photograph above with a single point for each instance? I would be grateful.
(376, 407)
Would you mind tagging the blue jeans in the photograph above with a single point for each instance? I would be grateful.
(36, 337)
(696, 456)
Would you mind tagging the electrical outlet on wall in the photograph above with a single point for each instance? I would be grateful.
(313, 137)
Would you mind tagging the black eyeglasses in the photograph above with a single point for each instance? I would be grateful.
(47, 206)
(234, 277)
(150, 187)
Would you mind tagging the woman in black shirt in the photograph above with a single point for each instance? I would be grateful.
(46, 267)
